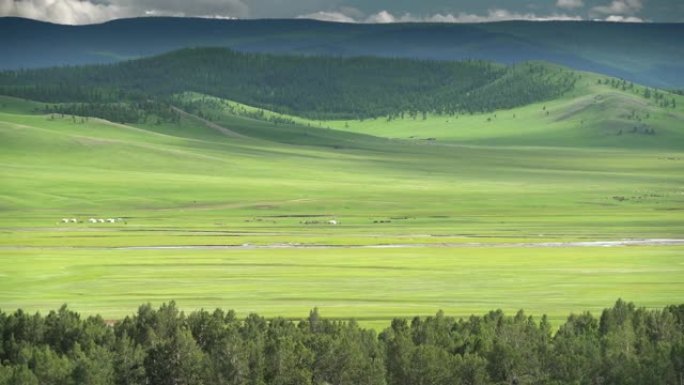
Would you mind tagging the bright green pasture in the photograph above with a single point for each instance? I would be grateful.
(188, 184)
(373, 285)
(565, 176)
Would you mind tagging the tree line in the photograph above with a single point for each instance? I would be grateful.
(660, 97)
(126, 112)
(205, 107)
(316, 87)
(625, 345)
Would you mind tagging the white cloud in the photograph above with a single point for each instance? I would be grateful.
(619, 7)
(344, 16)
(97, 11)
(623, 19)
(62, 11)
(337, 17)
(352, 12)
(386, 17)
(570, 4)
(381, 17)
(499, 15)
(157, 12)
(222, 8)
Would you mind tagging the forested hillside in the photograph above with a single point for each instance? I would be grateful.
(645, 53)
(626, 345)
(314, 87)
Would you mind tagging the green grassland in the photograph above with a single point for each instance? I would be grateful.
(452, 186)
(371, 285)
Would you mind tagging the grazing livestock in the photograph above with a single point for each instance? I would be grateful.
(65, 220)
(103, 220)
(74, 220)
(332, 222)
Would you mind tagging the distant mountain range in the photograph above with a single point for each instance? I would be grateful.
(651, 54)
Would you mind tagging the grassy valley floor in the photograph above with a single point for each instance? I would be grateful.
(469, 198)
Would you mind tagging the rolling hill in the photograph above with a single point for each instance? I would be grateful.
(316, 87)
(475, 102)
(650, 54)
(599, 128)
(241, 218)
(238, 195)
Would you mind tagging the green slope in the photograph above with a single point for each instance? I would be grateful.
(191, 174)
(592, 115)
(507, 181)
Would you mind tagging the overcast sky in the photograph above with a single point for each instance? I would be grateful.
(353, 11)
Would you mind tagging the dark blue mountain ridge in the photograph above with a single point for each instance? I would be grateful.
(647, 53)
